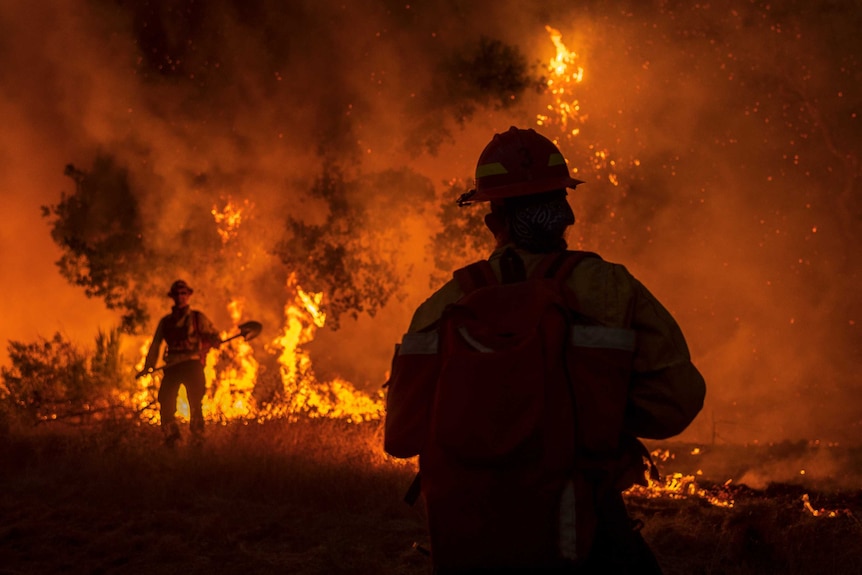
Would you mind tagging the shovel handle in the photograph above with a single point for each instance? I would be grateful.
(248, 330)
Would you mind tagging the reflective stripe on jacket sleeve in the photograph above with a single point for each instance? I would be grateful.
(598, 336)
(420, 343)
(410, 393)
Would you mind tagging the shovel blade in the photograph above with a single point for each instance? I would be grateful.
(248, 330)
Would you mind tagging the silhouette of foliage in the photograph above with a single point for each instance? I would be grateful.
(352, 256)
(490, 73)
(483, 73)
(98, 227)
(462, 239)
(53, 378)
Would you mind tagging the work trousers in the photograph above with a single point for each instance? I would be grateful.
(619, 549)
(190, 374)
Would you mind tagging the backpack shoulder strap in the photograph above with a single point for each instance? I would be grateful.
(196, 320)
(512, 268)
(474, 276)
(203, 342)
(560, 265)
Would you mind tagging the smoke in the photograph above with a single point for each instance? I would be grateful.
(730, 130)
(741, 212)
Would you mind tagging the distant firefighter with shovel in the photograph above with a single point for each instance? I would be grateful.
(188, 335)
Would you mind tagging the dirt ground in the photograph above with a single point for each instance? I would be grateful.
(319, 497)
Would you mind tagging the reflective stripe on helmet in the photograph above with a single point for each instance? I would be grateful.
(556, 160)
(491, 169)
(516, 163)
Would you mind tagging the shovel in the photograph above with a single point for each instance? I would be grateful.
(248, 330)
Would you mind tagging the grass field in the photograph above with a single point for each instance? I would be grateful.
(318, 496)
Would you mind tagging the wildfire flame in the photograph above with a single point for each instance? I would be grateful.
(143, 396)
(232, 370)
(564, 111)
(311, 303)
(679, 486)
(303, 393)
(231, 376)
(806, 504)
(232, 388)
(564, 75)
(229, 218)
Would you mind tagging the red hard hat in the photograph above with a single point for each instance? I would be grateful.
(518, 163)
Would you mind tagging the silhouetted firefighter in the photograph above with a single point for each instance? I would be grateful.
(188, 335)
(525, 381)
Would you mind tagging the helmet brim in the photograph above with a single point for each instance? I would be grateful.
(177, 287)
(522, 189)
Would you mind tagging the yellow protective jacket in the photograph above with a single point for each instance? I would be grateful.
(187, 333)
(666, 391)
(635, 377)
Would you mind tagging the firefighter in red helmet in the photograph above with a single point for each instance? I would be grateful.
(188, 335)
(633, 378)
(518, 163)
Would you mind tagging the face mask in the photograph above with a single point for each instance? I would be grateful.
(539, 227)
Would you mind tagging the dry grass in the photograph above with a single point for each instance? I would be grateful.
(762, 534)
(768, 530)
(288, 498)
(317, 496)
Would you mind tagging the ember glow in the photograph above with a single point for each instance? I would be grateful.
(677, 485)
(229, 218)
(680, 486)
(564, 113)
(806, 504)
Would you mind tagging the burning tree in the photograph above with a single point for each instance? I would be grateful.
(344, 250)
(352, 255)
(346, 247)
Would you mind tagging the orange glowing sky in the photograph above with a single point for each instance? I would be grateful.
(720, 143)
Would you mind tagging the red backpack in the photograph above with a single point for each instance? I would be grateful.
(515, 410)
